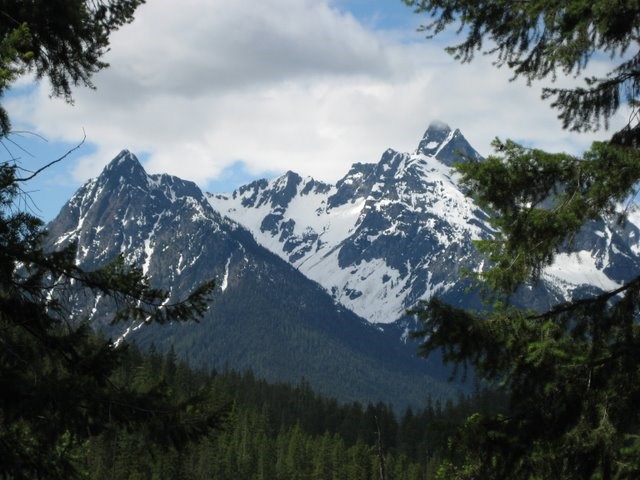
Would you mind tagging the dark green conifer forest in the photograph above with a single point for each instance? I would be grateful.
(277, 431)
(57, 389)
(571, 374)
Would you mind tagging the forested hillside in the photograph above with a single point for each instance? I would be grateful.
(275, 431)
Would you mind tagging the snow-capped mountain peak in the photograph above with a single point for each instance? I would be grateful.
(265, 315)
(437, 135)
(400, 230)
(124, 167)
(445, 144)
(126, 206)
(373, 239)
(385, 236)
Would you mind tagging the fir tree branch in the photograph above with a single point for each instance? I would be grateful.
(585, 302)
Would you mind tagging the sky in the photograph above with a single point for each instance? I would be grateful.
(222, 93)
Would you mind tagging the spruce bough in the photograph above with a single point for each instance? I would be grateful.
(572, 373)
(56, 385)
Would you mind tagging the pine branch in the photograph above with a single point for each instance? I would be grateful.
(586, 302)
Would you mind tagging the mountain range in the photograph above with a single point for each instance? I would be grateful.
(383, 237)
(391, 233)
(314, 279)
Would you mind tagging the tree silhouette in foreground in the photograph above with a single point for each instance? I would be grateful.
(55, 374)
(572, 374)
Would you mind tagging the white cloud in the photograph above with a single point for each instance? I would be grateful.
(280, 85)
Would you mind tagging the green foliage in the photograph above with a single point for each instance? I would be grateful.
(571, 373)
(572, 379)
(541, 200)
(537, 38)
(62, 40)
(277, 432)
(55, 376)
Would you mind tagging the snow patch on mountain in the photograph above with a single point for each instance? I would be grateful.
(570, 270)
(372, 238)
(225, 279)
(308, 223)
(390, 234)
(633, 217)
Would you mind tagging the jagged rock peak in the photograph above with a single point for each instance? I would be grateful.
(436, 135)
(125, 165)
(446, 145)
(289, 178)
(123, 158)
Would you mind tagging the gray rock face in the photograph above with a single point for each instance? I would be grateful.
(385, 236)
(446, 145)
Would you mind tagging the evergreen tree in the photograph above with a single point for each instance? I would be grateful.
(56, 386)
(62, 40)
(538, 38)
(571, 374)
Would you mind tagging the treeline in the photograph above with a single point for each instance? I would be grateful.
(276, 431)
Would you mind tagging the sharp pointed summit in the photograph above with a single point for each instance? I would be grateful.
(447, 145)
(436, 134)
(125, 166)
(124, 158)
